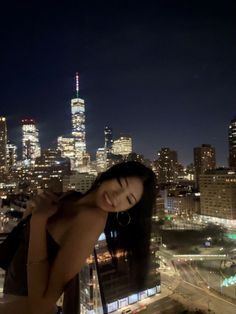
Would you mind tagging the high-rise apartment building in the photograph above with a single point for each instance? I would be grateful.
(30, 141)
(166, 166)
(232, 144)
(218, 194)
(3, 144)
(204, 159)
(122, 145)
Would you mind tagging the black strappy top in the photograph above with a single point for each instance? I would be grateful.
(16, 275)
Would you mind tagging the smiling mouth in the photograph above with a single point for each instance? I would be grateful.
(109, 202)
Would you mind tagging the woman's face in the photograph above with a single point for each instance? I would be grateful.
(119, 194)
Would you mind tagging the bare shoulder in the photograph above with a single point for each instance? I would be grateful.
(95, 214)
(89, 222)
(77, 244)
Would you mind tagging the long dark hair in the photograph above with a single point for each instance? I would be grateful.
(133, 239)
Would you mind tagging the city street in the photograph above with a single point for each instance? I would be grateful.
(194, 290)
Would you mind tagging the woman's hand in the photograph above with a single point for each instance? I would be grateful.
(45, 205)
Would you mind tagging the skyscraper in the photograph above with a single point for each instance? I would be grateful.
(204, 159)
(74, 146)
(108, 139)
(232, 143)
(3, 144)
(78, 125)
(30, 141)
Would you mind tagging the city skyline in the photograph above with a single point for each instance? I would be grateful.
(163, 73)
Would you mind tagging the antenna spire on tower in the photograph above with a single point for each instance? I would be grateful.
(77, 85)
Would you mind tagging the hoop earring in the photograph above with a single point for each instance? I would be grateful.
(120, 219)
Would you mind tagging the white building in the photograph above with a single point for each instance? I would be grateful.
(122, 146)
(78, 129)
(74, 146)
(30, 141)
(67, 147)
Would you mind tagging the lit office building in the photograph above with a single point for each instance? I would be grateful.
(3, 144)
(108, 139)
(67, 147)
(80, 182)
(218, 194)
(204, 159)
(30, 141)
(11, 155)
(101, 280)
(49, 170)
(122, 146)
(184, 206)
(78, 125)
(74, 146)
(166, 166)
(101, 159)
(232, 144)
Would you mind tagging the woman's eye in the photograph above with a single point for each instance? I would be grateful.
(129, 200)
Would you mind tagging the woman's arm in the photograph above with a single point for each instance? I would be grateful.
(46, 285)
(38, 267)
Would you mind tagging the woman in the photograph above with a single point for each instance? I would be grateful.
(62, 232)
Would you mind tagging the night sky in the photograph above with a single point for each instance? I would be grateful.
(162, 71)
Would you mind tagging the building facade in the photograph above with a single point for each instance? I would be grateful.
(11, 155)
(67, 147)
(102, 279)
(122, 146)
(49, 170)
(30, 141)
(108, 135)
(3, 144)
(74, 146)
(232, 143)
(80, 182)
(218, 194)
(101, 159)
(166, 166)
(78, 129)
(204, 159)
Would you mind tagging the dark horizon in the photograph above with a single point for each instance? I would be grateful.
(163, 72)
